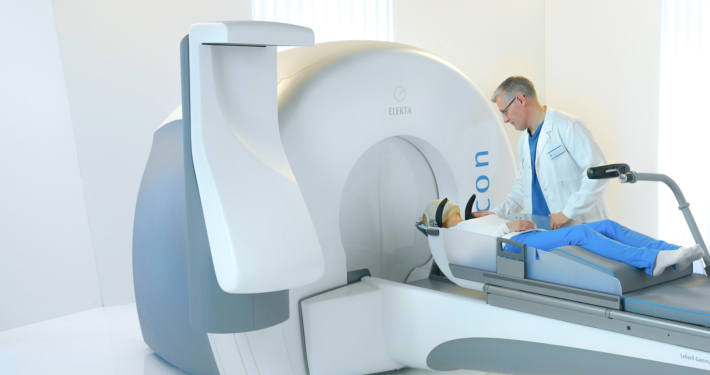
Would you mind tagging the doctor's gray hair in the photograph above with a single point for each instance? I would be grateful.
(513, 86)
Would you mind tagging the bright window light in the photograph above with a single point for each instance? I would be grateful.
(331, 20)
(684, 128)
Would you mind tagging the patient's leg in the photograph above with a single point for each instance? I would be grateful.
(680, 257)
(588, 238)
(620, 233)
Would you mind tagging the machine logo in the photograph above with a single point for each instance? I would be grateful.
(694, 358)
(400, 93)
(482, 182)
(400, 111)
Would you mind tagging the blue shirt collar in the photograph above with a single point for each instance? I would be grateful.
(537, 132)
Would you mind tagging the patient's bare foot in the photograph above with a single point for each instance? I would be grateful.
(681, 258)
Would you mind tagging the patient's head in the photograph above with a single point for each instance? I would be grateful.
(450, 217)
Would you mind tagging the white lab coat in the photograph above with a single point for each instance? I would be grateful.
(563, 179)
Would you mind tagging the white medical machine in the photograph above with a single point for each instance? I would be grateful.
(275, 228)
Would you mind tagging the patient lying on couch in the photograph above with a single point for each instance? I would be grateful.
(606, 238)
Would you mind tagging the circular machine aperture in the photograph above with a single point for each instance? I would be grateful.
(385, 193)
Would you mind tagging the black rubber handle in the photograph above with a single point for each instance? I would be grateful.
(440, 213)
(607, 171)
(469, 207)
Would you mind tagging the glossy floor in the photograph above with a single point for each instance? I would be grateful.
(96, 342)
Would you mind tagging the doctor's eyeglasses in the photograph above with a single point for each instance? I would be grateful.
(504, 112)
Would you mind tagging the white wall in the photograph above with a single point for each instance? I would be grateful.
(683, 130)
(597, 60)
(47, 266)
(487, 40)
(602, 65)
(122, 69)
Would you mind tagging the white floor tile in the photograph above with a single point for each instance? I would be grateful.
(104, 341)
(423, 372)
(100, 341)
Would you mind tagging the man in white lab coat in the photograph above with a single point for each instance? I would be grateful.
(554, 153)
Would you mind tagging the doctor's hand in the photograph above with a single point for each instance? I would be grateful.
(478, 214)
(558, 220)
(520, 225)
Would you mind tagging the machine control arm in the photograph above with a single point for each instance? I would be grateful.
(626, 175)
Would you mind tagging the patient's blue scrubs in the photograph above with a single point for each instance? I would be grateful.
(606, 238)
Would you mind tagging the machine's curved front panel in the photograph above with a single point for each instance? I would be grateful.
(243, 174)
(211, 308)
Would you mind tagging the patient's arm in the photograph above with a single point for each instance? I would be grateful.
(520, 225)
(478, 214)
